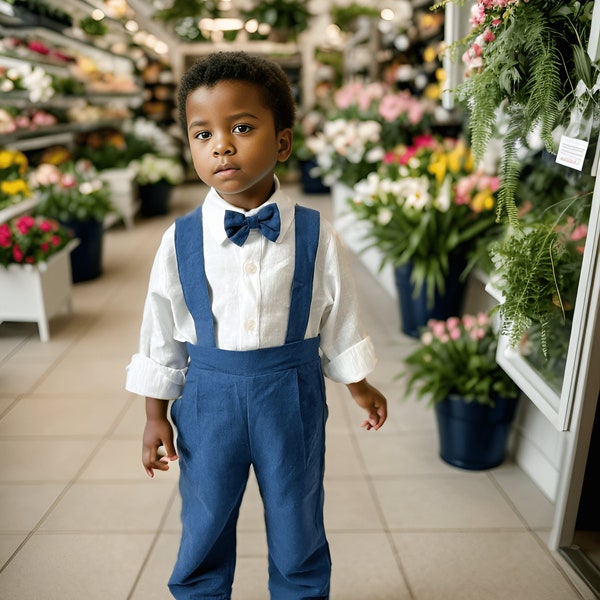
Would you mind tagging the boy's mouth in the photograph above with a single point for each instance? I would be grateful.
(225, 169)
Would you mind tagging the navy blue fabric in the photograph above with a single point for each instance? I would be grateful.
(262, 408)
(266, 220)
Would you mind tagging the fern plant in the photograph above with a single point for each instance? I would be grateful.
(538, 264)
(525, 59)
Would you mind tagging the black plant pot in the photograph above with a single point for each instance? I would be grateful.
(311, 184)
(473, 436)
(155, 198)
(86, 258)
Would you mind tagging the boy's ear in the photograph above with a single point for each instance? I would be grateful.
(284, 142)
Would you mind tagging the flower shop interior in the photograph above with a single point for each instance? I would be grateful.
(454, 147)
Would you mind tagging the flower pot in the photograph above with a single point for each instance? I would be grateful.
(36, 293)
(155, 198)
(415, 311)
(86, 259)
(311, 184)
(473, 436)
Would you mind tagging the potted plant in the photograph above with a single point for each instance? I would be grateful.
(425, 207)
(74, 194)
(455, 368)
(528, 61)
(35, 271)
(112, 152)
(156, 175)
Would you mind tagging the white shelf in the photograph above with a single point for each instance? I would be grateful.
(6, 214)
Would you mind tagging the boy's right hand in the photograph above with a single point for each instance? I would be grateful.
(157, 433)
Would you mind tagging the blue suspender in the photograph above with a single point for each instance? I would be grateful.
(190, 262)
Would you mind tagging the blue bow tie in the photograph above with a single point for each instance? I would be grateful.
(266, 220)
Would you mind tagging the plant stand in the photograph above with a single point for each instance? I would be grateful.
(122, 192)
(36, 293)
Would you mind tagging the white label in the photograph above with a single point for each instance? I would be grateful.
(571, 152)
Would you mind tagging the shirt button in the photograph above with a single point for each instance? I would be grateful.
(250, 268)
(250, 325)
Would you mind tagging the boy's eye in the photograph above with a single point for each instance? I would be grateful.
(202, 135)
(242, 129)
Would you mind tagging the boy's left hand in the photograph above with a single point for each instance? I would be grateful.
(372, 400)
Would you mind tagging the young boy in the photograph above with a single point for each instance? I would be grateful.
(249, 303)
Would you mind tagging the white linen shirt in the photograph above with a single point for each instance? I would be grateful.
(250, 291)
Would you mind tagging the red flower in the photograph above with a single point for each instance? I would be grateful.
(25, 223)
(46, 226)
(5, 236)
(55, 240)
(45, 246)
(17, 253)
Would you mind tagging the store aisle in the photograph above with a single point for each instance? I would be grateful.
(81, 521)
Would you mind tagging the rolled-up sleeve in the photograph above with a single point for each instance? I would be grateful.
(348, 354)
(159, 367)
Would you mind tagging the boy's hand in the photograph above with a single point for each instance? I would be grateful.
(372, 400)
(158, 433)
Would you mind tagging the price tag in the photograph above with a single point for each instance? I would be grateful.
(571, 152)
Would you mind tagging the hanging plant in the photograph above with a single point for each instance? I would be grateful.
(529, 60)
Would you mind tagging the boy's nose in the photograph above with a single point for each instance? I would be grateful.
(222, 148)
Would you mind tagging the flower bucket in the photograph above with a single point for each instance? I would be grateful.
(155, 198)
(311, 184)
(473, 436)
(36, 293)
(86, 259)
(415, 311)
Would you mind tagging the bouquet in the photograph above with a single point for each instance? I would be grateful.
(425, 205)
(71, 191)
(14, 187)
(458, 357)
(31, 240)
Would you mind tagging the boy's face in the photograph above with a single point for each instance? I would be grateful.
(233, 141)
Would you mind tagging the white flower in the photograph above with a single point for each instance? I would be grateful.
(416, 193)
(444, 200)
(384, 216)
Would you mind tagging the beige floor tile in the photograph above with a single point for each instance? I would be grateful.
(37, 460)
(456, 502)
(533, 506)
(152, 584)
(6, 401)
(20, 377)
(121, 460)
(61, 415)
(85, 374)
(9, 543)
(349, 506)
(364, 566)
(251, 579)
(133, 420)
(24, 505)
(480, 566)
(341, 457)
(115, 507)
(74, 566)
(414, 453)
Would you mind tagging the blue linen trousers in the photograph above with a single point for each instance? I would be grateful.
(264, 408)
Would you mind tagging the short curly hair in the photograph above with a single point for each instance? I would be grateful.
(266, 75)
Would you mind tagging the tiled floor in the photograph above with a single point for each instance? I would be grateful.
(81, 521)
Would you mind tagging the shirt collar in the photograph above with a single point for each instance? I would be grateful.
(214, 207)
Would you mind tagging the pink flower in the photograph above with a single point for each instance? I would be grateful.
(469, 322)
(5, 236)
(488, 36)
(68, 180)
(45, 246)
(25, 223)
(483, 319)
(17, 253)
(455, 334)
(579, 233)
(45, 226)
(438, 328)
(453, 323)
(47, 174)
(55, 240)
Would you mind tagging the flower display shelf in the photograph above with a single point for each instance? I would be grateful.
(14, 210)
(36, 293)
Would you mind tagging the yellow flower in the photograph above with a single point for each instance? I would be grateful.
(15, 187)
(482, 200)
(8, 158)
(460, 158)
(438, 166)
